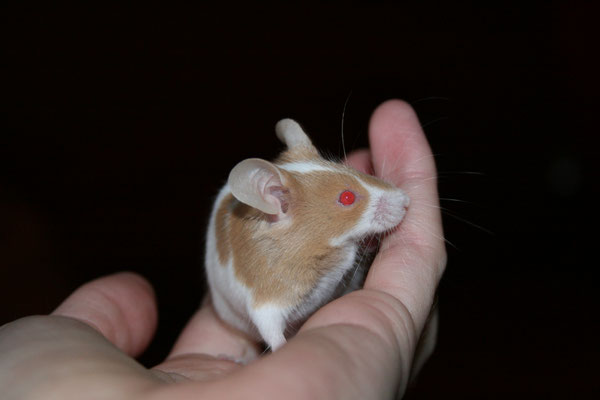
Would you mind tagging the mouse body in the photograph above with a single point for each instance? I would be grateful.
(284, 236)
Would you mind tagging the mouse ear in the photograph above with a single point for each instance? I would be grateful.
(259, 184)
(291, 133)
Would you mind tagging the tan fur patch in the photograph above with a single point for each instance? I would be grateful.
(373, 181)
(281, 262)
(222, 229)
(302, 153)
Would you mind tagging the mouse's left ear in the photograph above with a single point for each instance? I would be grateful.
(291, 133)
(259, 184)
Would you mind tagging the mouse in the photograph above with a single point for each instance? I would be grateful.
(285, 236)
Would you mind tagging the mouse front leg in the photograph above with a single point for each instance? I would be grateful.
(270, 321)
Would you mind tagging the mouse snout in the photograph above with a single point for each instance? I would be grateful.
(390, 208)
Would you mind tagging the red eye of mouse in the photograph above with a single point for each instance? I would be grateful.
(347, 197)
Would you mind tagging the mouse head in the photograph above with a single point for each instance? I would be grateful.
(315, 195)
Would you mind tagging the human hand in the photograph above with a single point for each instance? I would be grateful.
(359, 346)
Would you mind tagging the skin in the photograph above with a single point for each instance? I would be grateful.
(360, 346)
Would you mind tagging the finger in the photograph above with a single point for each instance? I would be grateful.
(121, 306)
(341, 361)
(360, 160)
(398, 145)
(205, 333)
(411, 261)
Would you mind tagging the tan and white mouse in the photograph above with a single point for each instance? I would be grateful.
(284, 236)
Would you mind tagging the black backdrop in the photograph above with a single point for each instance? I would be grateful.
(121, 125)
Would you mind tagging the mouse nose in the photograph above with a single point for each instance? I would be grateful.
(390, 209)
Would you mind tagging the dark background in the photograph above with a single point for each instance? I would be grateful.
(119, 126)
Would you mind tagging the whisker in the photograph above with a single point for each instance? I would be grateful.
(458, 201)
(421, 182)
(422, 226)
(416, 185)
(362, 258)
(429, 99)
(426, 124)
(458, 217)
(357, 267)
(474, 225)
(343, 118)
(395, 169)
(432, 155)
(462, 173)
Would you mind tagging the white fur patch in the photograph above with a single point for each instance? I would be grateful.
(305, 167)
(271, 320)
(229, 296)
